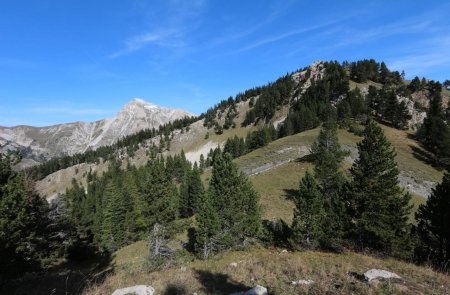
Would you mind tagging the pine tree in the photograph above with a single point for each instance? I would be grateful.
(159, 194)
(433, 222)
(307, 226)
(113, 233)
(378, 207)
(196, 189)
(208, 226)
(23, 222)
(434, 132)
(235, 201)
(328, 155)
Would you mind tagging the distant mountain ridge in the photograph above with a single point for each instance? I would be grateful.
(41, 143)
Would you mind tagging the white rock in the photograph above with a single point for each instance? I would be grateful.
(258, 290)
(233, 264)
(137, 290)
(302, 282)
(379, 273)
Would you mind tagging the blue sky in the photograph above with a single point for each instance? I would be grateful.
(81, 60)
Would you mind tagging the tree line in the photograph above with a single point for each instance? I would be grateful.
(365, 211)
(128, 144)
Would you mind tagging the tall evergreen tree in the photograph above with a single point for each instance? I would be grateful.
(328, 156)
(235, 201)
(378, 207)
(23, 222)
(190, 192)
(307, 226)
(113, 231)
(434, 132)
(208, 227)
(433, 222)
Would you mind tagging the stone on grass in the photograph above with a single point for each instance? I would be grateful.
(379, 273)
(258, 290)
(302, 282)
(135, 290)
(233, 264)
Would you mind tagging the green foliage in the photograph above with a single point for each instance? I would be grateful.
(315, 103)
(328, 156)
(307, 229)
(23, 222)
(208, 226)
(435, 132)
(130, 143)
(234, 203)
(191, 192)
(235, 146)
(415, 85)
(121, 206)
(271, 97)
(377, 206)
(369, 69)
(387, 107)
(433, 223)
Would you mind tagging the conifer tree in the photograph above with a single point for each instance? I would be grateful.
(235, 201)
(434, 132)
(433, 221)
(208, 226)
(113, 233)
(307, 226)
(378, 207)
(159, 193)
(328, 156)
(23, 222)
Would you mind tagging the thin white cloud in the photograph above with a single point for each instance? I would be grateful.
(430, 53)
(287, 34)
(163, 38)
(183, 16)
(376, 33)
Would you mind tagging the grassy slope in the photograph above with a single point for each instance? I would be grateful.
(269, 267)
(275, 270)
(277, 184)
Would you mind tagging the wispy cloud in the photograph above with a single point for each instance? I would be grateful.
(352, 36)
(287, 34)
(168, 34)
(161, 37)
(430, 53)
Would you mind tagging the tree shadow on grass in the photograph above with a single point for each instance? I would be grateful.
(309, 158)
(175, 289)
(218, 283)
(290, 194)
(426, 157)
(67, 278)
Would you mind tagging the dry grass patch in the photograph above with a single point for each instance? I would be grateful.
(276, 270)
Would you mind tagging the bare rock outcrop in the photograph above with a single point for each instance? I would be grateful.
(135, 290)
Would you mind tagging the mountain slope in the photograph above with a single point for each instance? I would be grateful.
(40, 143)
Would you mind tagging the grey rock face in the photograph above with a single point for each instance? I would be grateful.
(258, 290)
(379, 273)
(136, 290)
(42, 143)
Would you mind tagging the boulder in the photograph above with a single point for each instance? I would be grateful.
(136, 290)
(379, 273)
(258, 290)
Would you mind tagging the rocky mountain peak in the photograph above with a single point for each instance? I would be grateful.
(70, 138)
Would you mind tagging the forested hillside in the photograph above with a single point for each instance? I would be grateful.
(350, 199)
